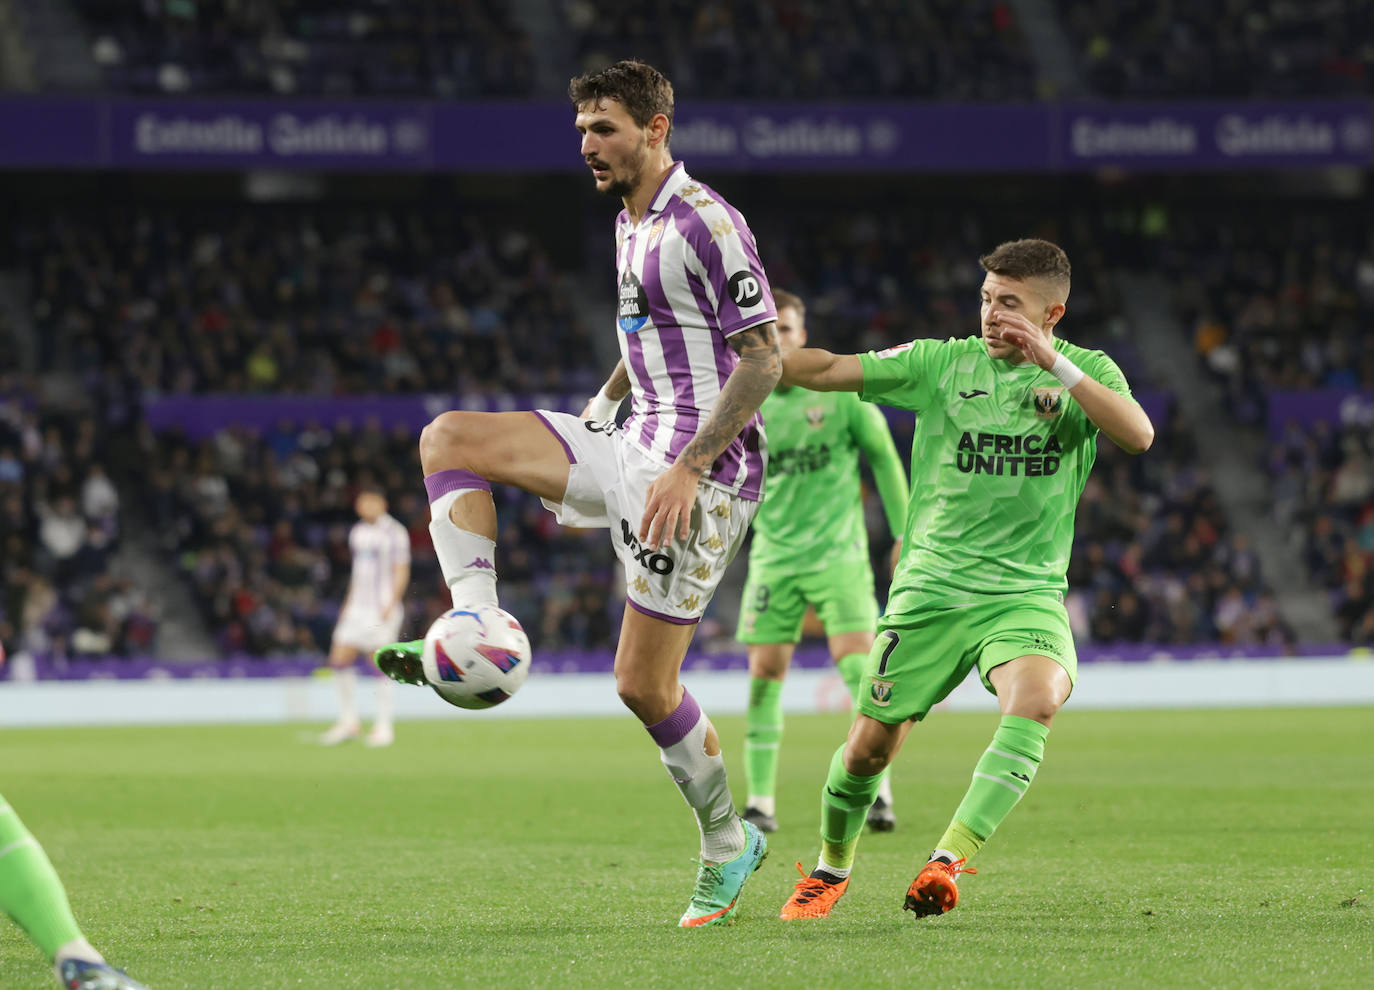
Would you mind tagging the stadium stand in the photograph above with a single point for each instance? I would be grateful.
(336, 300)
(60, 529)
(309, 48)
(801, 49)
(1144, 49)
(309, 301)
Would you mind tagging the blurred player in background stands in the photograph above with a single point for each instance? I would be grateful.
(372, 614)
(810, 547)
(1006, 433)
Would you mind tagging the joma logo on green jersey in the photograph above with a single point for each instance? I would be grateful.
(1030, 456)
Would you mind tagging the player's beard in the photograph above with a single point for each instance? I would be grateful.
(624, 186)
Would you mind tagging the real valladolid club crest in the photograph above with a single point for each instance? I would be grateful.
(655, 232)
(815, 415)
(1049, 401)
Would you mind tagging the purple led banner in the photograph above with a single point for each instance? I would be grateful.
(539, 137)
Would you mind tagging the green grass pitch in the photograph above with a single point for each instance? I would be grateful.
(1179, 849)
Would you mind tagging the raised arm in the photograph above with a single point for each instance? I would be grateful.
(822, 371)
(668, 506)
(1119, 416)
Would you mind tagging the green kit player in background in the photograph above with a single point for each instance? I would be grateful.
(810, 547)
(32, 894)
(1006, 433)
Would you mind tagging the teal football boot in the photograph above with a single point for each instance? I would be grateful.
(716, 897)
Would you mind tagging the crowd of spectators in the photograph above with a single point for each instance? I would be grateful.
(353, 300)
(1323, 491)
(1274, 298)
(814, 50)
(422, 48)
(1155, 559)
(1147, 49)
(314, 301)
(954, 50)
(258, 522)
(63, 595)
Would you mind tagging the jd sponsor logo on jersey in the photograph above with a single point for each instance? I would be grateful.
(745, 289)
(881, 692)
(633, 311)
(1048, 401)
(659, 563)
(815, 417)
(1029, 456)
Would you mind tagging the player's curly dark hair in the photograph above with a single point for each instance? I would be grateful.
(637, 86)
(1029, 258)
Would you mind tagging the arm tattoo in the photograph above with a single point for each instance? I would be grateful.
(618, 385)
(758, 371)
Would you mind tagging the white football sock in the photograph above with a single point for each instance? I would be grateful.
(467, 559)
(681, 738)
(345, 681)
(385, 705)
(767, 805)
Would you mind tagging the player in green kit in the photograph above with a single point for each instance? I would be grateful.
(810, 547)
(1006, 433)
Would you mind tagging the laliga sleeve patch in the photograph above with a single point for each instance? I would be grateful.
(745, 289)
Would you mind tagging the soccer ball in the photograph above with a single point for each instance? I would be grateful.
(476, 657)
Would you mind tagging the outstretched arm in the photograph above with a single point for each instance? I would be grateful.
(822, 371)
(875, 440)
(1119, 416)
(668, 505)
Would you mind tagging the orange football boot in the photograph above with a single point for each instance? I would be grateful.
(813, 897)
(936, 889)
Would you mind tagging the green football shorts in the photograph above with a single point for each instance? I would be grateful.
(775, 602)
(920, 657)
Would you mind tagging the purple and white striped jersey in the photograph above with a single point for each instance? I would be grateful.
(377, 548)
(690, 278)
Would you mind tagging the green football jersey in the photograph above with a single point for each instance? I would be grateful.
(812, 515)
(999, 458)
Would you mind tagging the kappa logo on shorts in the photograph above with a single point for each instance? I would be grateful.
(722, 510)
(701, 572)
(640, 585)
(881, 692)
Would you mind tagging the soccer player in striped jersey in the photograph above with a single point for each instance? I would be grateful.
(372, 613)
(677, 484)
(810, 547)
(1007, 424)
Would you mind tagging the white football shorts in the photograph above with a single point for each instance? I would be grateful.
(367, 630)
(608, 481)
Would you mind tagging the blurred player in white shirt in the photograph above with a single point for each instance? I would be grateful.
(371, 615)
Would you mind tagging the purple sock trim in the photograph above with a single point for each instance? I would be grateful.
(453, 480)
(674, 728)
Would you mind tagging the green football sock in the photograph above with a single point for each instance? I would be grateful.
(1002, 776)
(845, 801)
(30, 891)
(852, 672)
(763, 736)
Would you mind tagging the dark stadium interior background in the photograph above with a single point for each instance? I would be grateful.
(127, 284)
